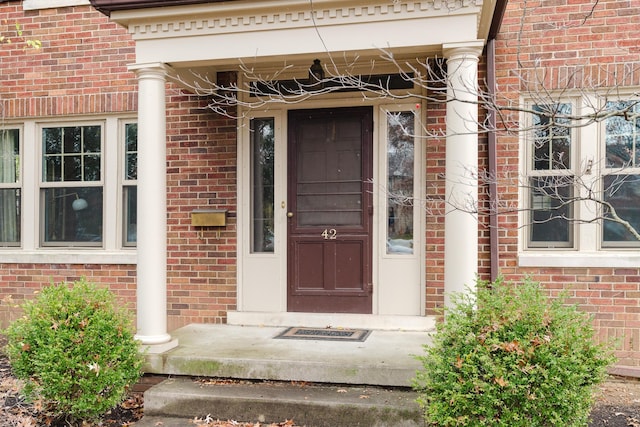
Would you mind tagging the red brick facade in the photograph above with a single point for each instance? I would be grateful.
(81, 71)
(566, 45)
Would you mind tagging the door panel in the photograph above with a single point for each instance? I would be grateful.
(330, 208)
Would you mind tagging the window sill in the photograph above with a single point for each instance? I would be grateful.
(66, 256)
(49, 4)
(617, 259)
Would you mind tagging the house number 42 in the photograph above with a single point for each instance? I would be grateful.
(329, 234)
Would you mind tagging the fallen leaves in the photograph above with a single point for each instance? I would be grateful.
(633, 422)
(208, 421)
(501, 381)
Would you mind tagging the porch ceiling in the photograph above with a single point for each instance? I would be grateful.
(220, 34)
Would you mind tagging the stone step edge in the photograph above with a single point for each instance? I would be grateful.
(307, 404)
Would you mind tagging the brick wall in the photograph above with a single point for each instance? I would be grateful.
(201, 173)
(20, 281)
(569, 45)
(81, 70)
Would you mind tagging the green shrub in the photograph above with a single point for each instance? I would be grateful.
(75, 349)
(510, 356)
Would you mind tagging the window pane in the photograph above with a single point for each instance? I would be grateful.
(400, 161)
(622, 134)
(131, 149)
(52, 169)
(72, 139)
(52, 140)
(130, 214)
(9, 156)
(552, 137)
(551, 211)
(623, 193)
(91, 168)
(262, 185)
(73, 214)
(10, 216)
(71, 153)
(72, 166)
(10, 208)
(91, 140)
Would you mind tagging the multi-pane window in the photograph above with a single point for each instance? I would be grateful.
(400, 170)
(262, 157)
(71, 186)
(550, 177)
(607, 189)
(10, 190)
(129, 188)
(58, 189)
(621, 180)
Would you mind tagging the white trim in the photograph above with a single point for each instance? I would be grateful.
(50, 4)
(59, 256)
(265, 270)
(272, 30)
(407, 270)
(579, 259)
(335, 320)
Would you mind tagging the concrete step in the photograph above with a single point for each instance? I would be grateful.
(386, 358)
(177, 401)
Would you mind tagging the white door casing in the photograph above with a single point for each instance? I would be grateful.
(398, 279)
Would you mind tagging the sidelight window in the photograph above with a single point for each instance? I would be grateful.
(400, 170)
(262, 184)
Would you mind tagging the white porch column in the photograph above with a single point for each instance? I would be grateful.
(152, 205)
(461, 188)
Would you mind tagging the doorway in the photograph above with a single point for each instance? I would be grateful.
(330, 210)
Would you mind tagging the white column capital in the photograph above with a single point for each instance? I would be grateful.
(150, 67)
(463, 50)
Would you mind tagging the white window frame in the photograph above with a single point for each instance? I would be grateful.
(615, 171)
(532, 173)
(124, 182)
(31, 251)
(46, 185)
(588, 155)
(50, 4)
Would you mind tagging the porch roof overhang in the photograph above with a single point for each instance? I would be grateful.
(108, 6)
(220, 34)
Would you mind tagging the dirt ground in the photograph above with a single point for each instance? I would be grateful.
(618, 404)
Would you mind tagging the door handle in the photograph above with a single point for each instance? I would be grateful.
(289, 214)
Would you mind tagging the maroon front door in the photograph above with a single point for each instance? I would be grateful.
(330, 209)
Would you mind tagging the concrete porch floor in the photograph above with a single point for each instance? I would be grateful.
(385, 358)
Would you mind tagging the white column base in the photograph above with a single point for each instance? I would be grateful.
(146, 348)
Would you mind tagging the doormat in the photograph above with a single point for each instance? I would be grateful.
(329, 334)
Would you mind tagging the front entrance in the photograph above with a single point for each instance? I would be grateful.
(330, 209)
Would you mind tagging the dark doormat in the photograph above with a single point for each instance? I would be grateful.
(324, 334)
